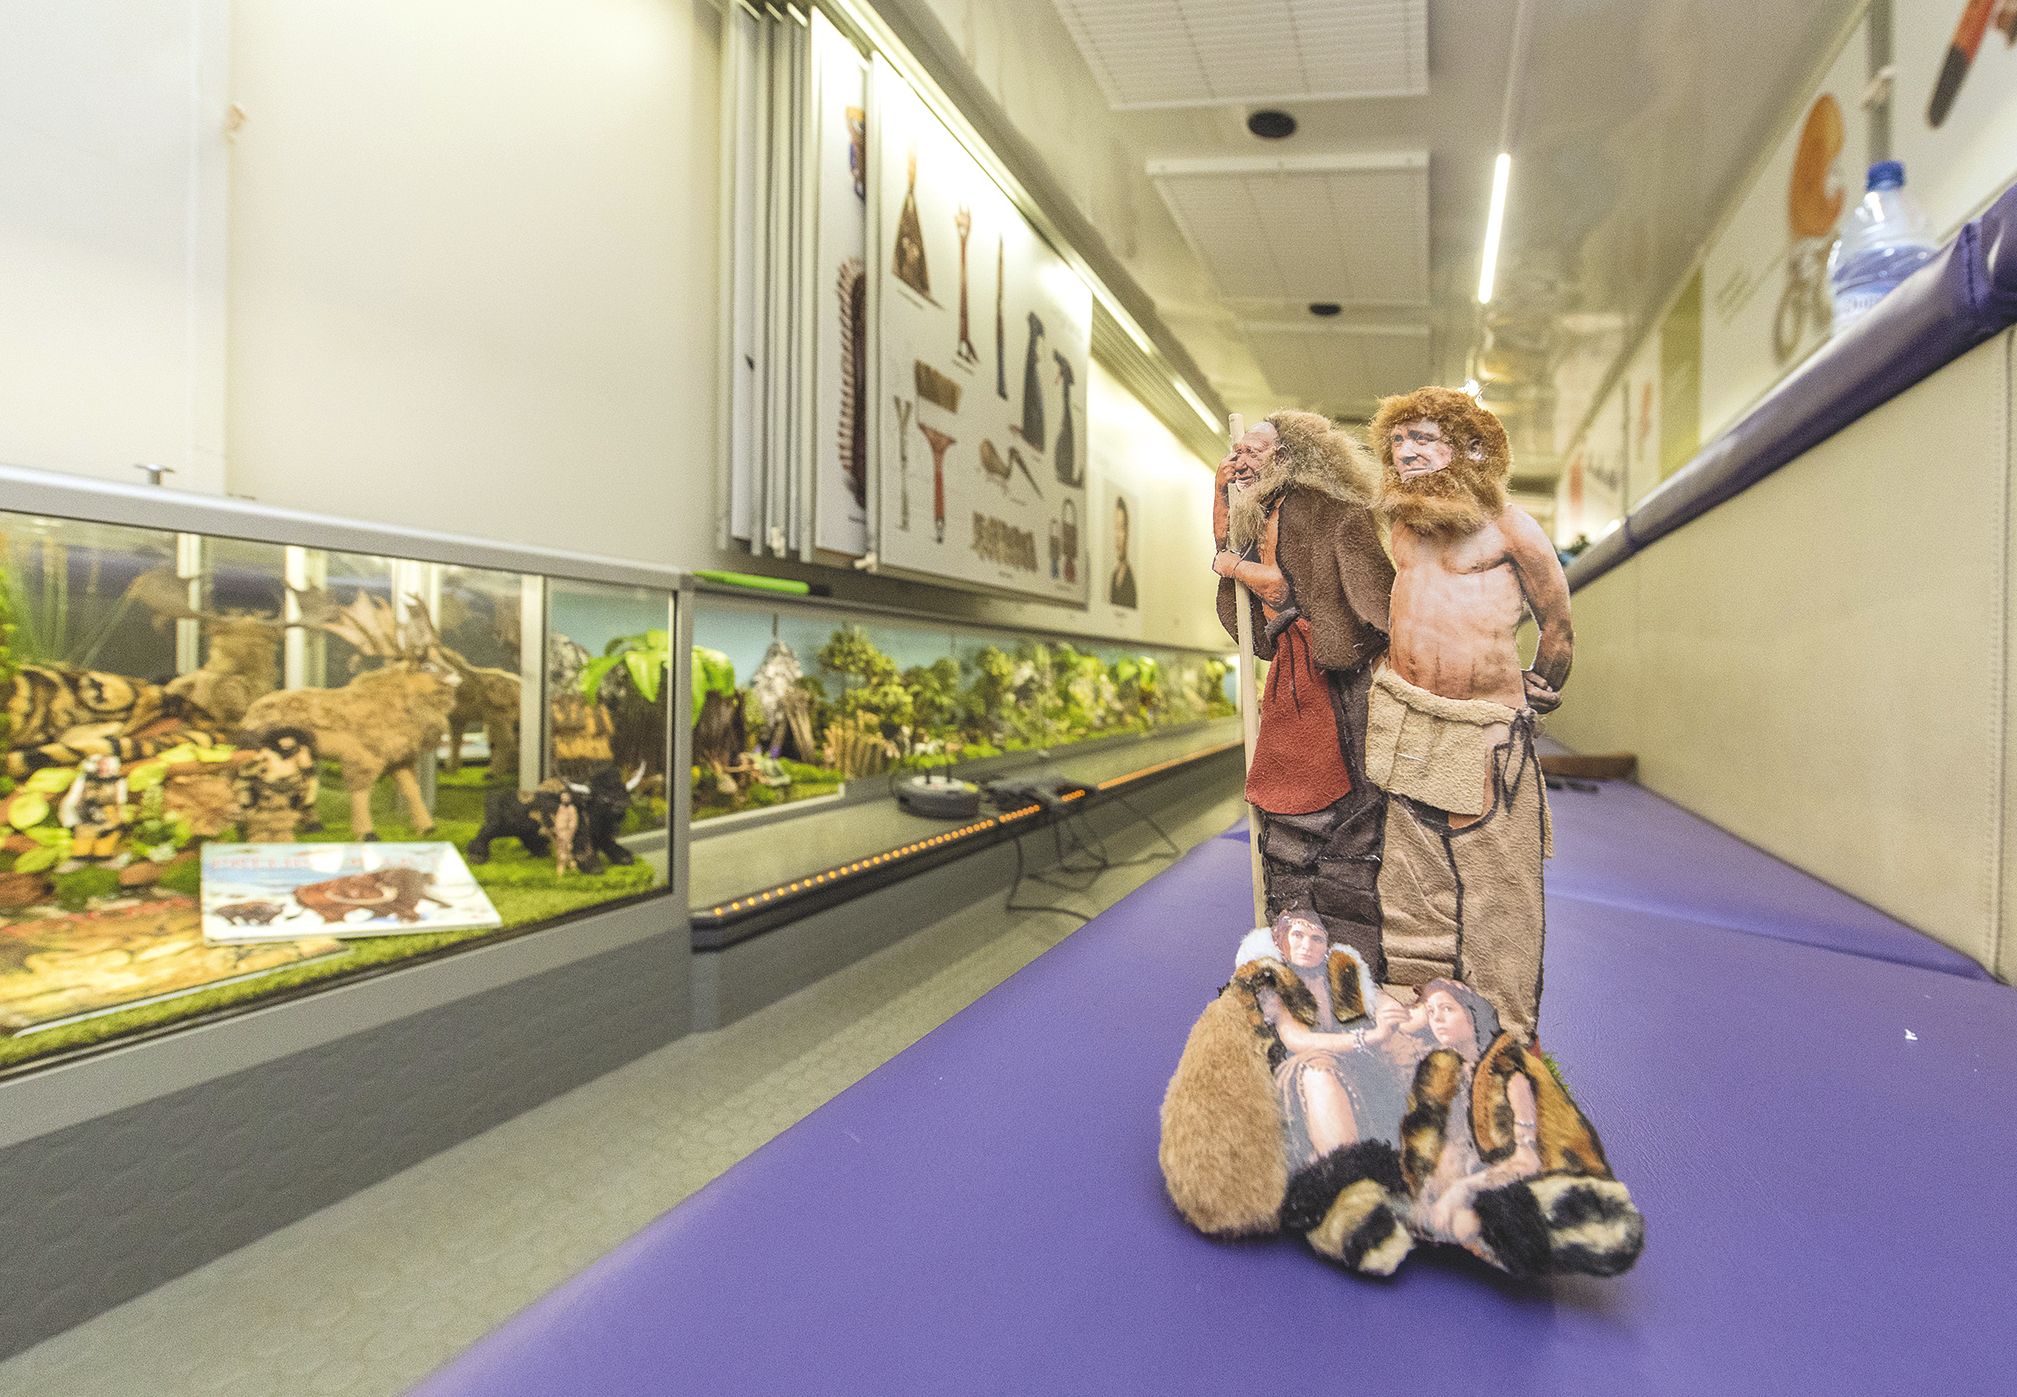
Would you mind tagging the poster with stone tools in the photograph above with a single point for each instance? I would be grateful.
(979, 350)
(839, 294)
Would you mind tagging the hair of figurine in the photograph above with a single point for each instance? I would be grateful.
(1463, 496)
(1311, 452)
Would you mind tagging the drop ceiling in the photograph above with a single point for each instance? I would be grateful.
(1632, 125)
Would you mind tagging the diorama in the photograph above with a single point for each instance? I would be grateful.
(487, 750)
(790, 705)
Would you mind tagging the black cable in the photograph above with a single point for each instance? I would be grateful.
(1011, 905)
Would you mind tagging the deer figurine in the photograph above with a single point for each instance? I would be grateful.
(384, 720)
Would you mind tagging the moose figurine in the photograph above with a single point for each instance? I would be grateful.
(529, 817)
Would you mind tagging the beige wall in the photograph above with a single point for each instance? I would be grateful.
(1822, 664)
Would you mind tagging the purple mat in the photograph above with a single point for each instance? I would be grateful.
(1623, 846)
(1818, 1142)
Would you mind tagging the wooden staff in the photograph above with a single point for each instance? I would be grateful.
(1250, 699)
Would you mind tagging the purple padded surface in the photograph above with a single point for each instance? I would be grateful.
(1966, 294)
(1626, 847)
(1818, 1142)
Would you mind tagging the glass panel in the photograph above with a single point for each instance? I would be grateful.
(790, 704)
(349, 724)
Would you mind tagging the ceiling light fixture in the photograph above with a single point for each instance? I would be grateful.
(1495, 224)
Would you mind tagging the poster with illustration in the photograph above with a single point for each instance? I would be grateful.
(1642, 421)
(839, 293)
(277, 892)
(1954, 108)
(1765, 277)
(982, 336)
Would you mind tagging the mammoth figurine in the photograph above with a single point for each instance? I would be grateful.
(528, 817)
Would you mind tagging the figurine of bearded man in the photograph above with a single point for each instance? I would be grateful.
(1451, 715)
(1291, 511)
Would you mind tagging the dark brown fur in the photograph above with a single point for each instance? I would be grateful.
(1426, 1125)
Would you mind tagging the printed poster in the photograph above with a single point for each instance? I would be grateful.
(278, 892)
(1765, 278)
(1954, 108)
(983, 337)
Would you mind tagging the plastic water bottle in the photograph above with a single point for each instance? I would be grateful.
(1886, 241)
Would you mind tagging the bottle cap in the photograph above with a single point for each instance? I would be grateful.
(1887, 174)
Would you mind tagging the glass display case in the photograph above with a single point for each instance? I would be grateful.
(793, 701)
(235, 767)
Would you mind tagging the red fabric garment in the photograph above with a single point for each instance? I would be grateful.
(1299, 766)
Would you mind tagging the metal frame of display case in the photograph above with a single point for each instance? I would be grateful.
(132, 1162)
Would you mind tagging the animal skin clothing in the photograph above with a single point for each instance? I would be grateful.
(1299, 757)
(1320, 837)
(1463, 904)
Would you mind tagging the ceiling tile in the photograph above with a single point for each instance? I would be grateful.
(1340, 370)
(1350, 229)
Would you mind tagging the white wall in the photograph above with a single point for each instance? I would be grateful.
(112, 157)
(473, 265)
(468, 281)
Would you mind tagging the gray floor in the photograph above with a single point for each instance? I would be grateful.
(370, 1295)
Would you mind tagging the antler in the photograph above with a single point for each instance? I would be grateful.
(366, 625)
(416, 632)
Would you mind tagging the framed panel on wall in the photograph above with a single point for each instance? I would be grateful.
(838, 295)
(979, 369)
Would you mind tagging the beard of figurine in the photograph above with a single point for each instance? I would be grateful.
(1463, 496)
(1309, 451)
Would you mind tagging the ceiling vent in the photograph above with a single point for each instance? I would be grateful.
(1201, 53)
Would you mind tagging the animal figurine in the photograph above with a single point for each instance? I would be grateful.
(58, 715)
(94, 809)
(276, 784)
(566, 830)
(384, 720)
(250, 913)
(486, 698)
(385, 892)
(528, 817)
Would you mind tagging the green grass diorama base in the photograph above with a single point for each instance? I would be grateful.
(525, 890)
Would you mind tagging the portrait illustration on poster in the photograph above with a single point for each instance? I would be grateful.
(1121, 575)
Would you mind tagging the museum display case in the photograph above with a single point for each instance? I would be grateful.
(800, 700)
(240, 763)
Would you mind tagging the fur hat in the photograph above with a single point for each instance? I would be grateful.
(1313, 453)
(1471, 490)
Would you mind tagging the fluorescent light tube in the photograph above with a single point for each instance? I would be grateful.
(1495, 222)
